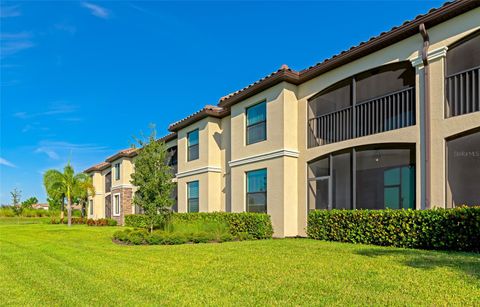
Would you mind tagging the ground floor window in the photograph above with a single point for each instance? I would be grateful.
(91, 206)
(116, 205)
(373, 177)
(257, 191)
(463, 170)
(193, 196)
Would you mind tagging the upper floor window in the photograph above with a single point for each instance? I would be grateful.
(257, 191)
(192, 139)
(463, 75)
(117, 171)
(193, 196)
(374, 101)
(257, 123)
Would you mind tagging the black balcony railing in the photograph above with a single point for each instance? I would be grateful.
(462, 91)
(392, 111)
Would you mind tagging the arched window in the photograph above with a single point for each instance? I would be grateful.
(463, 170)
(368, 177)
(374, 101)
(463, 76)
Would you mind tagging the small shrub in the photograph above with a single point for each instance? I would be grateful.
(226, 237)
(174, 239)
(137, 237)
(155, 238)
(244, 236)
(202, 237)
(121, 235)
(111, 222)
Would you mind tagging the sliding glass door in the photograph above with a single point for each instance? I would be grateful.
(370, 177)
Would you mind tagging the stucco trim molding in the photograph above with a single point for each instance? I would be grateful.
(201, 170)
(265, 156)
(122, 186)
(432, 55)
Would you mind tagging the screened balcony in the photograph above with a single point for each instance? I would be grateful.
(462, 82)
(372, 102)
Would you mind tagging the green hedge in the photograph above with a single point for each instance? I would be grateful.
(258, 225)
(443, 229)
(140, 221)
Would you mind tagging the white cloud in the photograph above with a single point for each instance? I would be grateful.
(6, 162)
(12, 43)
(97, 10)
(9, 11)
(55, 149)
(48, 151)
(54, 109)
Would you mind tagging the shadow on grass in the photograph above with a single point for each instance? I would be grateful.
(466, 263)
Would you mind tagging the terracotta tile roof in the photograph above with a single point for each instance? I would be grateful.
(283, 71)
(169, 137)
(206, 111)
(98, 167)
(128, 152)
(375, 43)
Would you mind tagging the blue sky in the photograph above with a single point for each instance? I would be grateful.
(79, 79)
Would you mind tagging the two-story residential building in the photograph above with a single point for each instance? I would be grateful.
(393, 122)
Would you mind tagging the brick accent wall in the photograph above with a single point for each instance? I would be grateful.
(125, 203)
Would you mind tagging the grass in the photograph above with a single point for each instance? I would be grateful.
(44, 264)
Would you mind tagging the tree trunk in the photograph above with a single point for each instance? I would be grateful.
(62, 208)
(69, 212)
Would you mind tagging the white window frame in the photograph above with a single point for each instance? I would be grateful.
(119, 205)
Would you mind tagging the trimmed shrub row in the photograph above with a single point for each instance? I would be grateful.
(101, 222)
(89, 222)
(140, 221)
(257, 225)
(159, 237)
(442, 229)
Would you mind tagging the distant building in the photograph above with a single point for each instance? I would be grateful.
(40, 206)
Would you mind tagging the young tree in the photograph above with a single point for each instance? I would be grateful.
(69, 184)
(153, 178)
(16, 195)
(27, 204)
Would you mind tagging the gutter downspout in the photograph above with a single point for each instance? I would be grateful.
(426, 113)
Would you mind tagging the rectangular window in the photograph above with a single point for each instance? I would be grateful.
(116, 205)
(192, 196)
(257, 191)
(117, 171)
(257, 123)
(192, 139)
(91, 206)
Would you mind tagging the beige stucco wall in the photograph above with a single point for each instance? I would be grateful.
(224, 156)
(210, 196)
(98, 198)
(281, 192)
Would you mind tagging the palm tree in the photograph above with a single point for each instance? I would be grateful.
(69, 184)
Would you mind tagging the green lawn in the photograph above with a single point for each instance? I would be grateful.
(44, 264)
